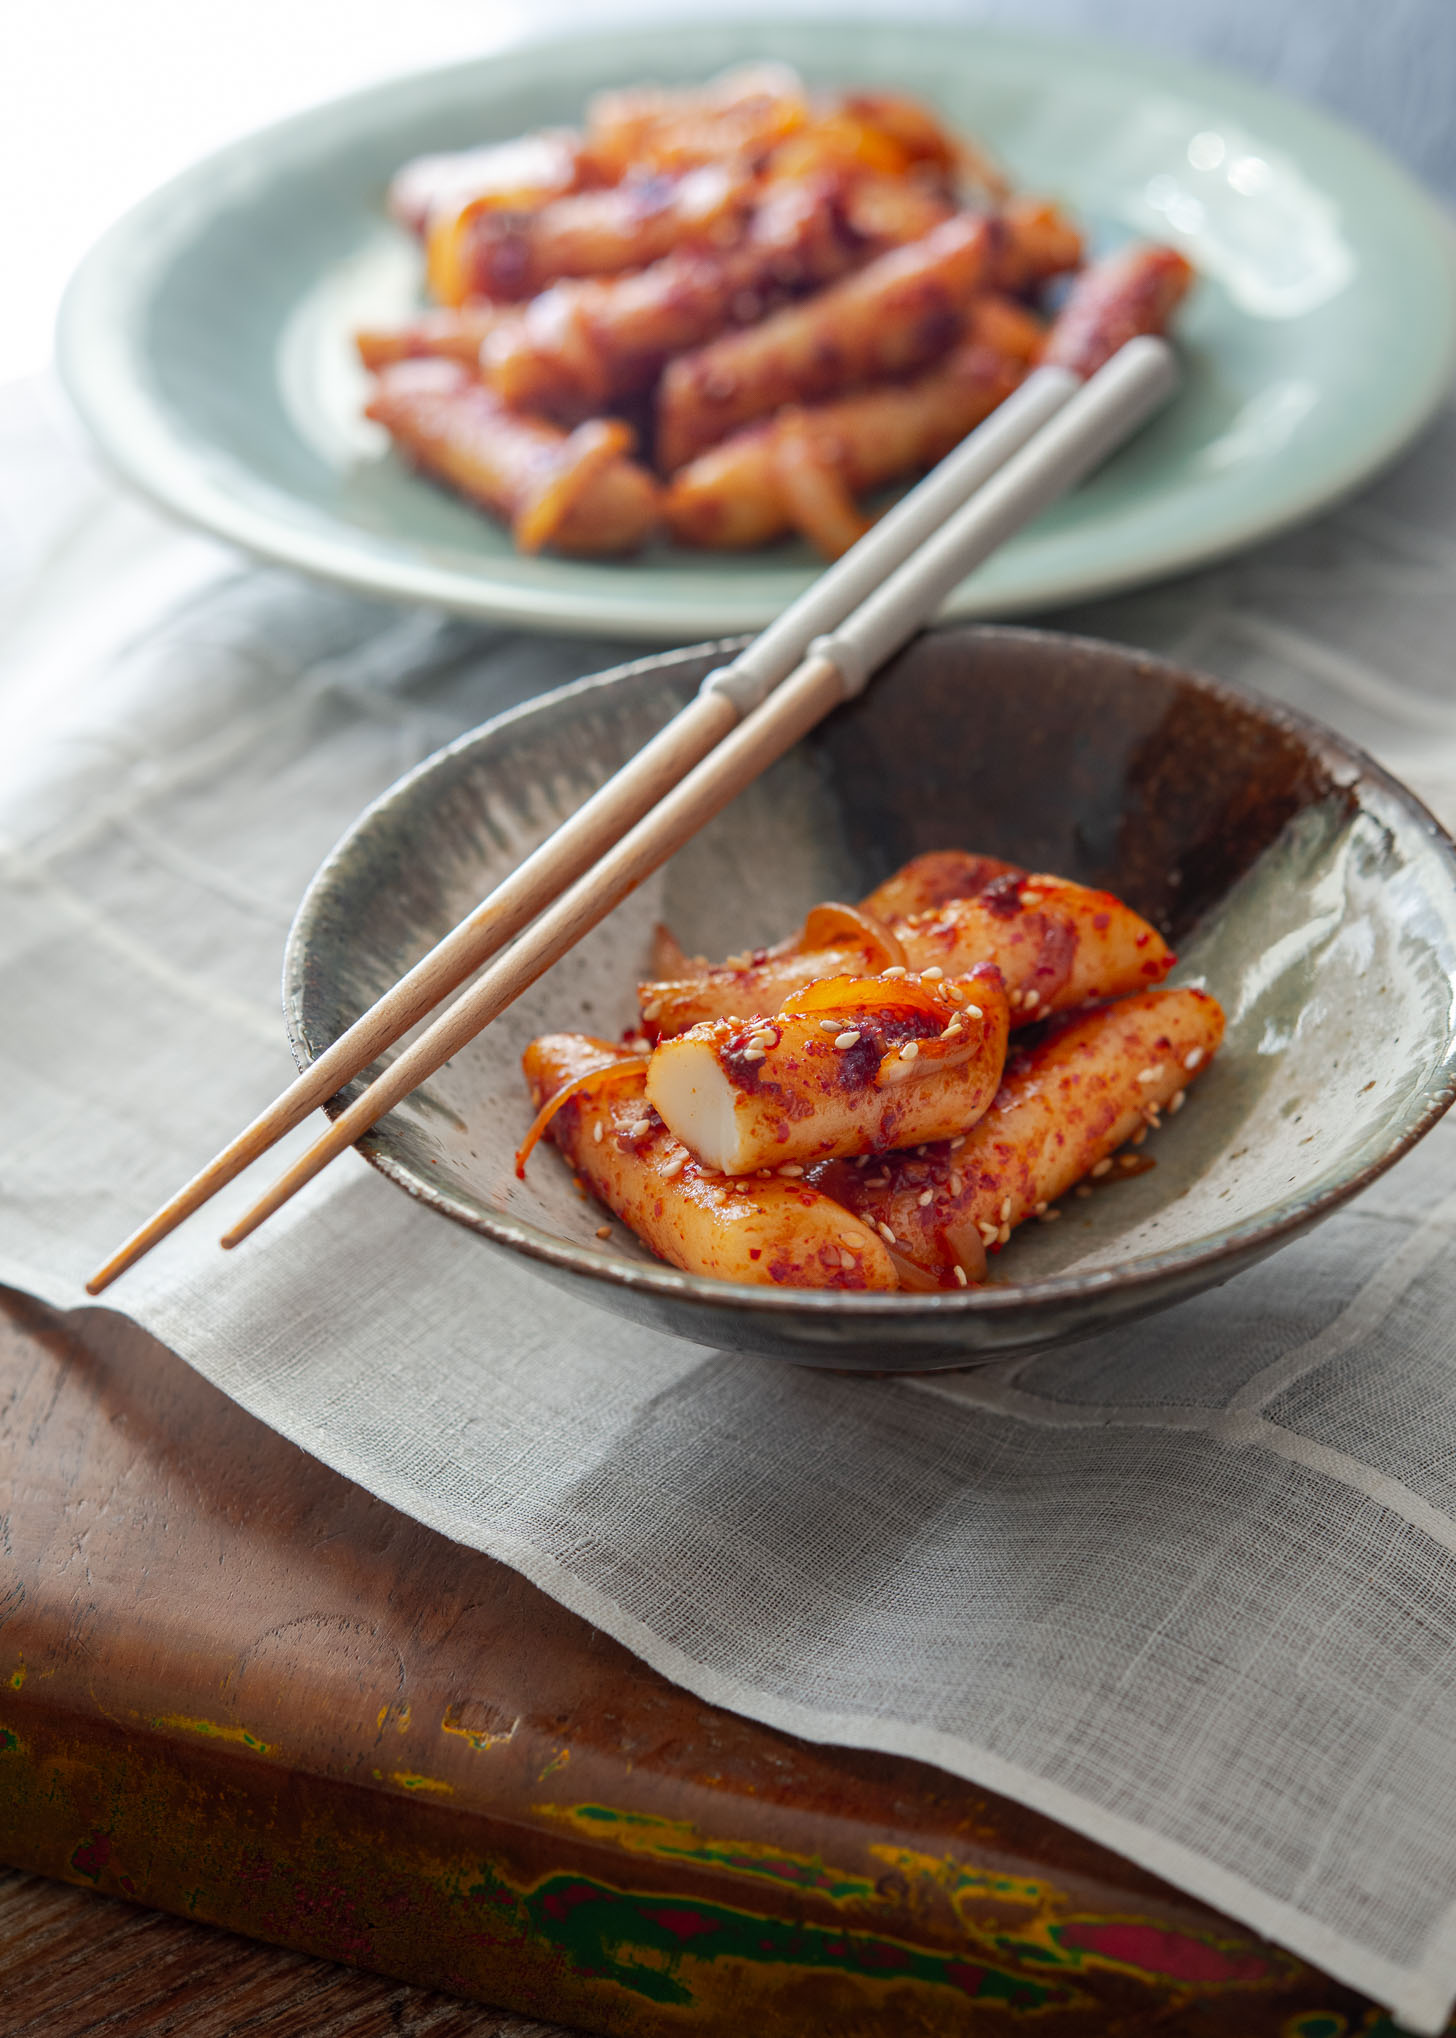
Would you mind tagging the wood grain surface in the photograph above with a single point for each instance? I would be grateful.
(236, 1688)
(73, 1965)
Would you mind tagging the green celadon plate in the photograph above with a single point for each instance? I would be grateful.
(206, 339)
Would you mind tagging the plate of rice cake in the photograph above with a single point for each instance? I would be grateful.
(628, 332)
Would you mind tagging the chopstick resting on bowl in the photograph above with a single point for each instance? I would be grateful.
(821, 652)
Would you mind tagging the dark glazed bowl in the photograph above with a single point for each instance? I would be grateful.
(1310, 892)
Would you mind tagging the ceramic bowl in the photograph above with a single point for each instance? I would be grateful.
(1308, 890)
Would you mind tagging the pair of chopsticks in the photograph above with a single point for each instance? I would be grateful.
(819, 653)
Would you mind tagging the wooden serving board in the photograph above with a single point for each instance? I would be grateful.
(235, 1687)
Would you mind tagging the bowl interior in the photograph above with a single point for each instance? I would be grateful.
(1313, 896)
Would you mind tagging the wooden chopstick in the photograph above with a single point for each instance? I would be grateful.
(724, 697)
(1117, 399)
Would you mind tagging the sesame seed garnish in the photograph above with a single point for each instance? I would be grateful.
(886, 1234)
(753, 1054)
(791, 1168)
(1178, 1099)
(851, 1237)
(974, 1012)
(933, 975)
(1039, 1209)
(920, 1149)
(909, 1051)
(1103, 1167)
(1003, 1236)
(956, 1182)
(957, 1025)
(960, 1138)
(877, 1181)
(1193, 1057)
(639, 1128)
(736, 962)
(1127, 1160)
(847, 1261)
(988, 1233)
(604, 1231)
(828, 1025)
(925, 1198)
(1005, 1208)
(760, 1040)
(960, 1275)
(861, 1160)
(1081, 1190)
(846, 1040)
(1013, 998)
(955, 994)
(674, 1167)
(653, 1010)
(896, 970)
(597, 1132)
(1140, 1135)
(1032, 999)
(1147, 1075)
(1048, 1216)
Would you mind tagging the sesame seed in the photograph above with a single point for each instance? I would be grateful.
(1005, 1208)
(1049, 1216)
(736, 962)
(988, 1233)
(1031, 999)
(960, 1274)
(909, 1051)
(639, 1128)
(604, 1231)
(1003, 1236)
(959, 1140)
(1081, 1190)
(925, 1198)
(674, 1167)
(597, 1132)
(1127, 1160)
(1039, 1209)
(1178, 1099)
(1013, 998)
(753, 1054)
(1147, 1075)
(877, 1181)
(760, 1040)
(791, 1168)
(1140, 1135)
(847, 1261)
(828, 1025)
(974, 1012)
(933, 975)
(1193, 1057)
(955, 994)
(956, 1182)
(896, 970)
(886, 1234)
(956, 1026)
(653, 1010)
(846, 1040)
(851, 1238)
(1103, 1167)
(861, 1160)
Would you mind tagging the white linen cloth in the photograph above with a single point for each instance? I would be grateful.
(1188, 1587)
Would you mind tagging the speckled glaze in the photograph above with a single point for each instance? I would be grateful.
(1306, 888)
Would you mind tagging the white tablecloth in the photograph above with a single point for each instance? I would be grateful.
(1190, 1588)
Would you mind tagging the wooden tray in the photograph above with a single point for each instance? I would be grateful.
(235, 1687)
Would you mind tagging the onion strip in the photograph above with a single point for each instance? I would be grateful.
(852, 995)
(610, 1072)
(824, 924)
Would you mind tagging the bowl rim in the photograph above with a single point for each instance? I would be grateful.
(1350, 768)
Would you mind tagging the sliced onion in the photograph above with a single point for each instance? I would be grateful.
(591, 447)
(867, 994)
(967, 1248)
(826, 923)
(602, 1078)
(919, 1280)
